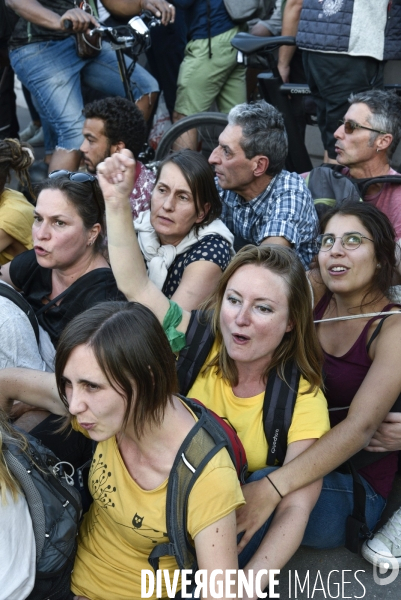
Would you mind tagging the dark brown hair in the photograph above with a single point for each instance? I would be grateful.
(18, 156)
(383, 235)
(122, 120)
(200, 178)
(87, 199)
(299, 344)
(132, 351)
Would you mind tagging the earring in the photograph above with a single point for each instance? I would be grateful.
(378, 266)
(377, 149)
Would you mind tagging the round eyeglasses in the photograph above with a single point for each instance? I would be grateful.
(349, 241)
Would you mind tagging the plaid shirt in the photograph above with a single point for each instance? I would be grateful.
(284, 209)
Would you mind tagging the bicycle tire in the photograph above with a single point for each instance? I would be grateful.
(209, 126)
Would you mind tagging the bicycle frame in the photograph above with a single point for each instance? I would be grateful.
(271, 87)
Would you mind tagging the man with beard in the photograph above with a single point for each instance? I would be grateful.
(112, 124)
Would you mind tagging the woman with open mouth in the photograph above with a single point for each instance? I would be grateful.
(65, 272)
(258, 323)
(359, 329)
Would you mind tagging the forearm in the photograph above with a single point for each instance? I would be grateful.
(125, 255)
(325, 455)
(291, 16)
(123, 8)
(280, 542)
(287, 528)
(35, 388)
(35, 13)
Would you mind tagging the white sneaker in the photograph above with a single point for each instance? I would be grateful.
(386, 543)
(28, 132)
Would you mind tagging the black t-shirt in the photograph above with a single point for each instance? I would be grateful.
(28, 33)
(36, 283)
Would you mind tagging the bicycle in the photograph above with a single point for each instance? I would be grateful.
(259, 52)
(131, 40)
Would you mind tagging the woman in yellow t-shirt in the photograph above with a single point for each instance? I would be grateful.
(115, 373)
(16, 213)
(262, 318)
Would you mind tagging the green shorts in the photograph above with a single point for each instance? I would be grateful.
(202, 80)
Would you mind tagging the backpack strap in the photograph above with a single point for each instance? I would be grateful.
(364, 184)
(278, 408)
(198, 448)
(356, 525)
(11, 294)
(199, 341)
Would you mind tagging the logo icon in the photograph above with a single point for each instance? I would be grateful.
(388, 567)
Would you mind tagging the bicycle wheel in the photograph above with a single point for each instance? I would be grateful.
(208, 126)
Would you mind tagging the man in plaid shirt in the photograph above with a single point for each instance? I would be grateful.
(262, 203)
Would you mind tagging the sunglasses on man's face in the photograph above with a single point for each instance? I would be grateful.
(350, 126)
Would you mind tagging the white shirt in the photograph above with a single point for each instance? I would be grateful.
(17, 549)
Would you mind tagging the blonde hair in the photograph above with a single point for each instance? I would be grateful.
(8, 435)
(301, 343)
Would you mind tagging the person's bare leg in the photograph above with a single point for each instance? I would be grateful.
(146, 104)
(65, 159)
(189, 139)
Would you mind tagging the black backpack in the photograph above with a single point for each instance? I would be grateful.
(330, 188)
(55, 508)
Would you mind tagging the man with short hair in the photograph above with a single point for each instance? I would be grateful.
(112, 124)
(262, 203)
(364, 144)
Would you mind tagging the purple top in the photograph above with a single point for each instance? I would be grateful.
(343, 376)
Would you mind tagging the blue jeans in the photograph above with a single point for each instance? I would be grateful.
(326, 526)
(52, 72)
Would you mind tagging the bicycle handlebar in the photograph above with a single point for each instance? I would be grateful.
(136, 30)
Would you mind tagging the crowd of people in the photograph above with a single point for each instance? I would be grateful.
(124, 290)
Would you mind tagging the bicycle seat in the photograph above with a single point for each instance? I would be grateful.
(247, 43)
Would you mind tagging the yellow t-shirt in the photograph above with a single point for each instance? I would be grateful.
(310, 418)
(125, 522)
(16, 218)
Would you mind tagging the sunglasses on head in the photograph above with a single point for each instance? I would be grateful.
(72, 175)
(350, 126)
(81, 177)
